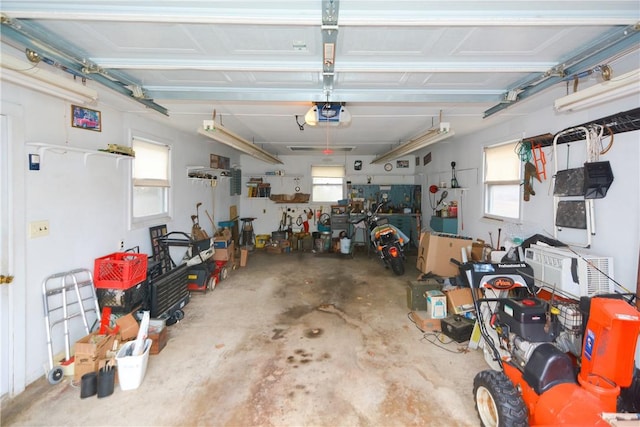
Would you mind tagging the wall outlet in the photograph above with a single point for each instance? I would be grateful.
(121, 244)
(38, 229)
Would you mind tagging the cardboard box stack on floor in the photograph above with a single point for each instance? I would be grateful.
(224, 249)
(89, 351)
(94, 350)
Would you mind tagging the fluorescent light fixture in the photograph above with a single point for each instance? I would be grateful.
(624, 85)
(325, 113)
(34, 77)
(224, 136)
(431, 137)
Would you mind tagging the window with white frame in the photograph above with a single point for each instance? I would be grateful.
(327, 183)
(502, 181)
(151, 180)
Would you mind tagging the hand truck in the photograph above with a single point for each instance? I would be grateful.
(67, 295)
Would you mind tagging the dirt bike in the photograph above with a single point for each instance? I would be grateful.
(386, 240)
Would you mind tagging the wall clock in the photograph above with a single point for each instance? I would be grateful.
(388, 167)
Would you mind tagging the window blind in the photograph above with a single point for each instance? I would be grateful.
(151, 164)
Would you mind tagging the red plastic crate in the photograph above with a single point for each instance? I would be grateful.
(120, 270)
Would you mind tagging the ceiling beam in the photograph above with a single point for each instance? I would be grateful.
(315, 95)
(313, 66)
(383, 14)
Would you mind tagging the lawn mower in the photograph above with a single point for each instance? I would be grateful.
(553, 362)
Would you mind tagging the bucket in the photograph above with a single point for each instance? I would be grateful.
(278, 235)
(345, 245)
(261, 240)
(307, 243)
(131, 369)
(326, 241)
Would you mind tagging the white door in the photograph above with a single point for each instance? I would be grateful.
(12, 250)
(5, 265)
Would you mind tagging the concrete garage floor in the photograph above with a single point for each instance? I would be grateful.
(290, 340)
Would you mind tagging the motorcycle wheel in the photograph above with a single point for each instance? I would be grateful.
(397, 265)
(498, 402)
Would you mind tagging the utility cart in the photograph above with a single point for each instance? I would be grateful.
(169, 292)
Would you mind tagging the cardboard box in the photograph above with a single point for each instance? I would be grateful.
(274, 249)
(460, 300)
(284, 243)
(435, 253)
(423, 322)
(221, 242)
(159, 335)
(477, 250)
(436, 304)
(224, 254)
(89, 350)
(83, 365)
(128, 327)
(94, 345)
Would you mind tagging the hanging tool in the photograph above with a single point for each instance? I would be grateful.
(283, 221)
(491, 240)
(213, 224)
(498, 242)
(529, 174)
(197, 233)
(305, 222)
(539, 160)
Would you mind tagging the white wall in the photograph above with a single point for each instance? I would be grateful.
(86, 201)
(617, 226)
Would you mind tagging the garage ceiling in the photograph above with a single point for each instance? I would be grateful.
(399, 67)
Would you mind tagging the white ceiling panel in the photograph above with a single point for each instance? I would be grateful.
(399, 66)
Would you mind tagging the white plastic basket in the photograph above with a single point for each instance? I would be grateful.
(131, 369)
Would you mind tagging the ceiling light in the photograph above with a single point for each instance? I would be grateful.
(224, 136)
(431, 137)
(318, 148)
(328, 114)
(37, 78)
(624, 85)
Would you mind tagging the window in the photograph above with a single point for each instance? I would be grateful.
(151, 180)
(502, 181)
(328, 183)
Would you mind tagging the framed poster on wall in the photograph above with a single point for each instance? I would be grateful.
(86, 118)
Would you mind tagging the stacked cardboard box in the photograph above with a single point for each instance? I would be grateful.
(435, 253)
(224, 249)
(89, 350)
(460, 300)
(279, 246)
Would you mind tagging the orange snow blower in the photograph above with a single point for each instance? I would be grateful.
(553, 363)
